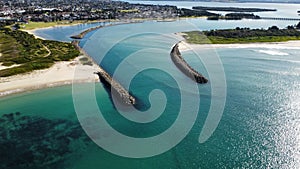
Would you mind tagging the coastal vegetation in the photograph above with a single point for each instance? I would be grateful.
(183, 12)
(23, 52)
(234, 16)
(242, 35)
(298, 26)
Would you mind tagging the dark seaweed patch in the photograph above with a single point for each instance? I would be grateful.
(33, 142)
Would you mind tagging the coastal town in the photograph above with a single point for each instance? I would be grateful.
(51, 11)
(67, 11)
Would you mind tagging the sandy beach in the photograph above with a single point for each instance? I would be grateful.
(61, 73)
(32, 32)
(184, 46)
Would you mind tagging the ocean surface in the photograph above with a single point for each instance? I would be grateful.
(259, 127)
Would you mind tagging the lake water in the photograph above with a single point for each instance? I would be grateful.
(259, 127)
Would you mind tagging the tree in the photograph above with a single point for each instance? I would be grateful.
(290, 27)
(298, 26)
(16, 26)
(274, 28)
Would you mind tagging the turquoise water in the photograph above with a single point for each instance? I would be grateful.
(259, 127)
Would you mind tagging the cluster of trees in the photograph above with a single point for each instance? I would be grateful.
(298, 26)
(238, 16)
(29, 53)
(247, 32)
(183, 12)
(4, 23)
(234, 16)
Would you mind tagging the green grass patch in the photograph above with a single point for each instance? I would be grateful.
(196, 37)
(257, 39)
(18, 47)
(37, 25)
(230, 36)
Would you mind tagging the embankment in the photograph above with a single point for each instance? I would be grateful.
(82, 34)
(185, 67)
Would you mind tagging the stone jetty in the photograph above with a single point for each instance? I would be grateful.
(108, 80)
(185, 67)
(82, 34)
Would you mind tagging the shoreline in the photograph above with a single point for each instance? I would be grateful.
(63, 25)
(83, 32)
(185, 46)
(60, 74)
(32, 32)
(271, 45)
(132, 21)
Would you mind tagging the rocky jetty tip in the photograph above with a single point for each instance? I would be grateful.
(122, 93)
(185, 67)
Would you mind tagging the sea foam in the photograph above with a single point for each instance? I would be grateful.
(273, 52)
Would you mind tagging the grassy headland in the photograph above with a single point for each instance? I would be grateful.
(242, 35)
(26, 53)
